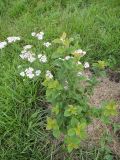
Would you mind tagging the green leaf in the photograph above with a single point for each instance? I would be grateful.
(74, 121)
(67, 113)
(71, 132)
(51, 123)
(45, 83)
(110, 109)
(71, 110)
(66, 43)
(72, 142)
(72, 139)
(58, 53)
(108, 157)
(54, 84)
(55, 109)
(105, 119)
(56, 133)
(63, 36)
(70, 148)
(80, 130)
(57, 41)
(102, 64)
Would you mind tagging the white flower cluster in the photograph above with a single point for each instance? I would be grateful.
(47, 44)
(26, 54)
(49, 74)
(79, 52)
(30, 56)
(86, 65)
(3, 44)
(42, 58)
(30, 73)
(39, 35)
(10, 40)
(13, 39)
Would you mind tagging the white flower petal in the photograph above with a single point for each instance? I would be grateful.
(43, 59)
(3, 44)
(86, 65)
(80, 52)
(27, 47)
(49, 74)
(47, 44)
(22, 74)
(29, 70)
(67, 57)
(79, 63)
(23, 51)
(13, 39)
(33, 34)
(31, 59)
(30, 75)
(38, 72)
(39, 55)
(19, 66)
(22, 56)
(79, 74)
(40, 35)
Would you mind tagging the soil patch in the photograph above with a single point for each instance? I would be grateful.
(105, 90)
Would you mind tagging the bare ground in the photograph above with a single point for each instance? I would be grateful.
(105, 90)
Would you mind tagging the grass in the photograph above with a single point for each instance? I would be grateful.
(94, 24)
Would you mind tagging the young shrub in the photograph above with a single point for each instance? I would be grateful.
(68, 86)
(68, 93)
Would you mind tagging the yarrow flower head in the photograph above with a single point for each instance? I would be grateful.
(47, 44)
(29, 72)
(13, 39)
(49, 74)
(3, 44)
(86, 65)
(79, 52)
(29, 56)
(40, 35)
(26, 54)
(42, 58)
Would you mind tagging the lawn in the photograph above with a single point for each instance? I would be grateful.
(93, 23)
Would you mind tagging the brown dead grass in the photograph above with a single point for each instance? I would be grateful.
(106, 90)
